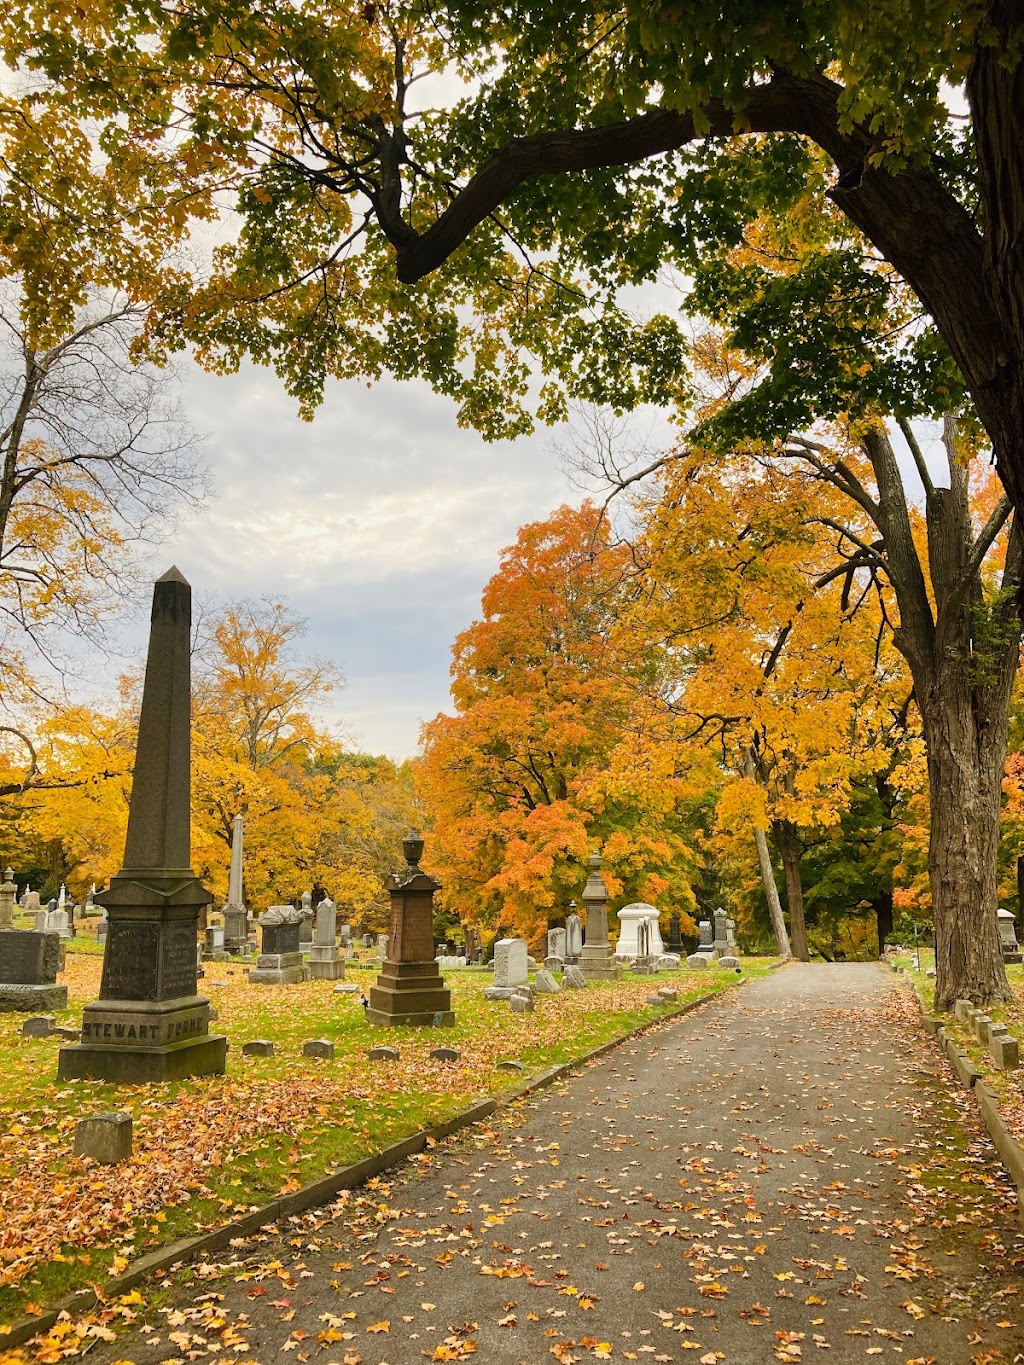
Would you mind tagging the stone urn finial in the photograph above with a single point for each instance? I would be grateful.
(412, 847)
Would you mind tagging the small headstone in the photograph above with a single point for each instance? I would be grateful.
(259, 1047)
(573, 936)
(668, 962)
(106, 1138)
(546, 983)
(39, 1027)
(445, 1054)
(960, 1008)
(728, 962)
(511, 1066)
(325, 963)
(574, 979)
(42, 918)
(655, 1000)
(698, 960)
(348, 988)
(556, 943)
(1005, 1052)
(521, 1004)
(318, 1047)
(510, 962)
(667, 993)
(383, 1054)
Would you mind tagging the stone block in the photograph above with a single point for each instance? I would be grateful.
(15, 999)
(668, 962)
(499, 992)
(258, 1047)
(383, 1054)
(521, 1004)
(960, 1008)
(667, 993)
(28, 958)
(698, 960)
(573, 980)
(545, 983)
(106, 1138)
(728, 962)
(980, 1024)
(445, 1054)
(655, 1000)
(348, 988)
(318, 1047)
(39, 1027)
(511, 962)
(1005, 1052)
(67, 1034)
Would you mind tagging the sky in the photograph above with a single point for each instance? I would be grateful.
(379, 522)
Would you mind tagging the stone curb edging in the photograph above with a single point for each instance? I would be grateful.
(1011, 1152)
(323, 1189)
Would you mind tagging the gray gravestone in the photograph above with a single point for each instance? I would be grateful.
(574, 978)
(8, 891)
(573, 936)
(29, 963)
(236, 916)
(545, 983)
(511, 968)
(597, 960)
(556, 943)
(106, 1138)
(325, 963)
(280, 962)
(721, 943)
(149, 1023)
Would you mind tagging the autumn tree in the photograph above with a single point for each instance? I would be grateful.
(529, 773)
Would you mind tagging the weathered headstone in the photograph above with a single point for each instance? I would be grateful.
(597, 961)
(728, 962)
(410, 988)
(632, 921)
(258, 1047)
(1007, 936)
(721, 943)
(29, 963)
(149, 1023)
(699, 959)
(574, 979)
(318, 1047)
(521, 1004)
(280, 961)
(382, 946)
(325, 963)
(39, 1027)
(236, 916)
(545, 983)
(383, 1054)
(213, 944)
(106, 1138)
(42, 920)
(674, 943)
(556, 943)
(706, 947)
(445, 1054)
(510, 964)
(57, 921)
(8, 891)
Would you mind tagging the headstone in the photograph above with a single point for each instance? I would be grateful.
(258, 1047)
(345, 933)
(730, 933)
(382, 946)
(383, 1054)
(306, 922)
(325, 963)
(667, 993)
(511, 1066)
(106, 1138)
(597, 961)
(706, 947)
(367, 940)
(573, 936)
(410, 988)
(57, 921)
(8, 891)
(318, 1047)
(1005, 1052)
(1008, 937)
(42, 920)
(545, 983)
(510, 963)
(213, 944)
(472, 942)
(699, 959)
(728, 962)
(639, 932)
(574, 979)
(39, 1027)
(236, 916)
(348, 988)
(31, 900)
(521, 1004)
(445, 1054)
(668, 962)
(280, 962)
(29, 963)
(149, 1023)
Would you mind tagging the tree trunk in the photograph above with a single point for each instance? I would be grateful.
(771, 891)
(883, 916)
(787, 842)
(965, 780)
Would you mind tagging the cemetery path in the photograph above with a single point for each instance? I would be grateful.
(788, 1168)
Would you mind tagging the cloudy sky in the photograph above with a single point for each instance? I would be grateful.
(379, 522)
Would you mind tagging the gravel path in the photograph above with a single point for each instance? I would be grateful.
(785, 1170)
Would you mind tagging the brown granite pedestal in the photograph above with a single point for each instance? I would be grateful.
(410, 988)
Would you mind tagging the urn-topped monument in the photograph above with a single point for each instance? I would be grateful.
(410, 988)
(149, 1023)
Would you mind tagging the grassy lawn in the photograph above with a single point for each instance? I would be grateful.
(1007, 1085)
(209, 1148)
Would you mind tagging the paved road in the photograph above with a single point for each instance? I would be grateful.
(785, 1170)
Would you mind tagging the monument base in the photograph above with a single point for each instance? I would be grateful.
(410, 993)
(140, 1066)
(598, 964)
(16, 999)
(132, 1042)
(325, 964)
(279, 969)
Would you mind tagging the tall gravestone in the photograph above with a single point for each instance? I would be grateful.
(29, 963)
(325, 963)
(410, 988)
(150, 1024)
(236, 917)
(280, 961)
(573, 936)
(8, 891)
(597, 961)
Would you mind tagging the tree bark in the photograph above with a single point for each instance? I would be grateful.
(787, 841)
(771, 891)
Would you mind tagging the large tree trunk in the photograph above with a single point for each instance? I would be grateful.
(883, 918)
(771, 891)
(787, 841)
(965, 772)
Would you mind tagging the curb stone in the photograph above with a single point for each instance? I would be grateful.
(324, 1188)
(1011, 1153)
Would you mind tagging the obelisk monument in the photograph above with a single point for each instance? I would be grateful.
(236, 917)
(149, 1023)
(410, 988)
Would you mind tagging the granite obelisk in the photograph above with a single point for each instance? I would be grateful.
(149, 1023)
(236, 917)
